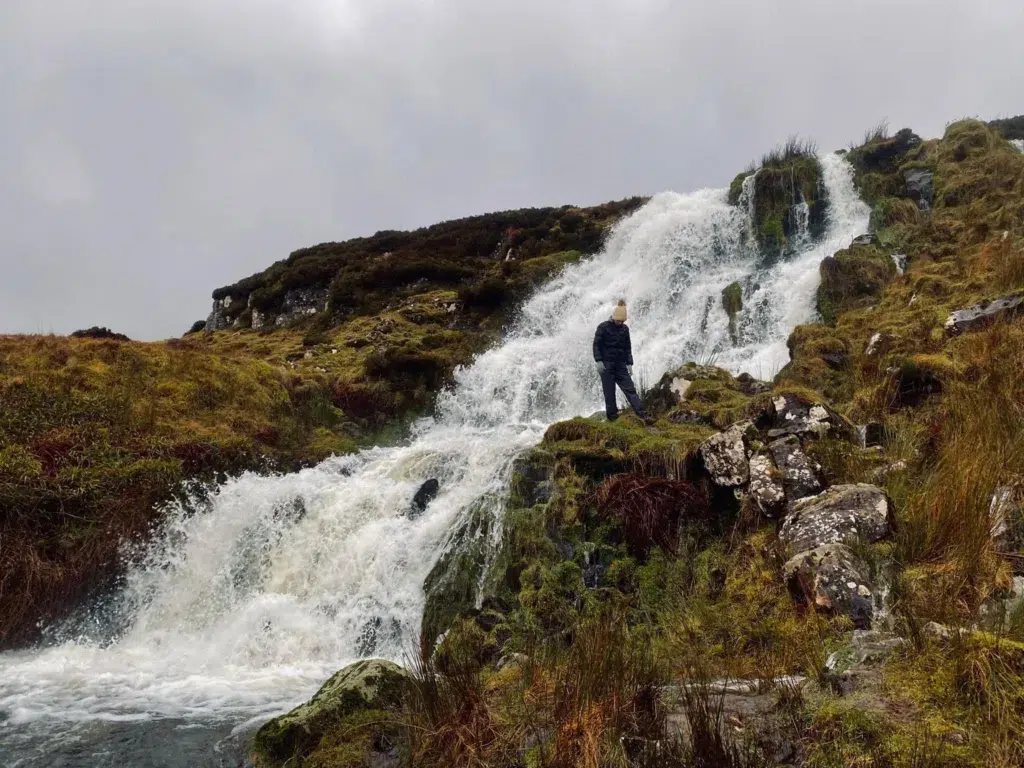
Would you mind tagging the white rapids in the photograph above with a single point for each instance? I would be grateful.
(249, 599)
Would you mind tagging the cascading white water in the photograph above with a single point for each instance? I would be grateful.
(250, 599)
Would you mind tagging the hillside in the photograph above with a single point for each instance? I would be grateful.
(823, 570)
(96, 433)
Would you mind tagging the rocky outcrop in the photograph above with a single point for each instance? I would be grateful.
(982, 315)
(364, 687)
(853, 278)
(843, 513)
(725, 456)
(920, 186)
(832, 579)
(800, 476)
(794, 416)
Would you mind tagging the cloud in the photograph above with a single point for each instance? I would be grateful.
(153, 151)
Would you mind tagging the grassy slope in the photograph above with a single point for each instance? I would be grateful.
(95, 434)
(587, 687)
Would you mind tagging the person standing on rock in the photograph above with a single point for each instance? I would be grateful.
(613, 353)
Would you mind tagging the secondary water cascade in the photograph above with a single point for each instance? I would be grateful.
(250, 597)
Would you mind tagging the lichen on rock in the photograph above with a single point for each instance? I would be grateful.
(843, 513)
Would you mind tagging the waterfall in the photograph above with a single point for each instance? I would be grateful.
(249, 598)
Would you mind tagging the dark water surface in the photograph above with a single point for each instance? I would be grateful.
(147, 744)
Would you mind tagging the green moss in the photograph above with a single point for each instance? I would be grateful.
(851, 279)
(342, 710)
(452, 586)
(736, 187)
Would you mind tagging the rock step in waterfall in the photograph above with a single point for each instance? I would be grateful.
(249, 598)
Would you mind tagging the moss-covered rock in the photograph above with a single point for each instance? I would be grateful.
(779, 189)
(851, 279)
(371, 687)
(453, 584)
(732, 302)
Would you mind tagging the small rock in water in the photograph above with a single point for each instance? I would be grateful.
(426, 494)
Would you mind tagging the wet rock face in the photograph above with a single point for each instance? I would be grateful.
(532, 482)
(920, 187)
(800, 475)
(981, 315)
(833, 580)
(725, 456)
(766, 489)
(363, 686)
(842, 513)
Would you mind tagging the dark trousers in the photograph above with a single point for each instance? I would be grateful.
(616, 374)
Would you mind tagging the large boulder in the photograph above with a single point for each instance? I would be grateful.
(725, 456)
(984, 314)
(363, 687)
(833, 580)
(800, 476)
(842, 513)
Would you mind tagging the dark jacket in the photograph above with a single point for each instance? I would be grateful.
(612, 345)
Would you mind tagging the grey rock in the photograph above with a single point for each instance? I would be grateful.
(832, 579)
(792, 416)
(900, 260)
(1006, 517)
(800, 475)
(765, 489)
(863, 241)
(870, 435)
(920, 186)
(981, 315)
(725, 456)
(842, 513)
(751, 386)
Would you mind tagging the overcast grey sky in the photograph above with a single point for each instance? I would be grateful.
(153, 150)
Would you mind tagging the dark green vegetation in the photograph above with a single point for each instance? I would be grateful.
(97, 431)
(625, 582)
(490, 260)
